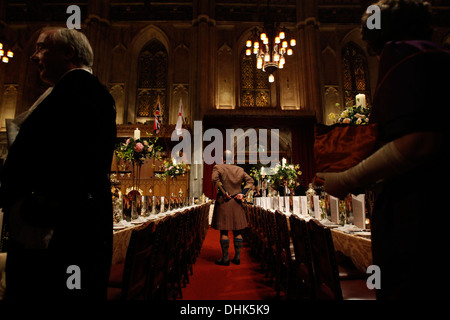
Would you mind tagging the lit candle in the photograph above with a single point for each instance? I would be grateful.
(361, 100)
(137, 134)
(283, 162)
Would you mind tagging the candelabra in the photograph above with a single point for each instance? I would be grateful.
(270, 47)
(3, 57)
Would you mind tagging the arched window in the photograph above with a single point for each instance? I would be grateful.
(152, 79)
(356, 74)
(255, 87)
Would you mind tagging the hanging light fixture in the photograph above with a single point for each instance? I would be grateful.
(5, 57)
(270, 47)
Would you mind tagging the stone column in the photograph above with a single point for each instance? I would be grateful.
(308, 47)
(98, 30)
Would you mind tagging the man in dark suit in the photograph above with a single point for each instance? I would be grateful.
(55, 186)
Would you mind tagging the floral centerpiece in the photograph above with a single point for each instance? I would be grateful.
(256, 174)
(173, 169)
(136, 150)
(277, 175)
(353, 114)
(286, 172)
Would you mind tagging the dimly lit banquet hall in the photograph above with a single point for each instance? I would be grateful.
(270, 151)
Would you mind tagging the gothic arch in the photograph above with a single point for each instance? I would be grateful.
(355, 72)
(354, 36)
(146, 35)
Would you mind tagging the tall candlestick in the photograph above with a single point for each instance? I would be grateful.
(137, 134)
(361, 100)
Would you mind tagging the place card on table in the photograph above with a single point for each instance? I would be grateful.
(275, 203)
(296, 205)
(265, 202)
(287, 206)
(270, 203)
(281, 204)
(304, 205)
(359, 211)
(317, 212)
(334, 208)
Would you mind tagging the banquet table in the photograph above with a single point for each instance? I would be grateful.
(357, 248)
(121, 238)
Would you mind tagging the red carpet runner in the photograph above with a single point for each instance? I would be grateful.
(212, 282)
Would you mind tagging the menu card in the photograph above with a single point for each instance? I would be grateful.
(296, 205)
(316, 207)
(334, 208)
(280, 204)
(359, 211)
(269, 203)
(287, 206)
(275, 203)
(304, 205)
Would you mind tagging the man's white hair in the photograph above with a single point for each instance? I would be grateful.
(84, 55)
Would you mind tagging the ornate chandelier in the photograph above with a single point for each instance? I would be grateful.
(3, 57)
(270, 47)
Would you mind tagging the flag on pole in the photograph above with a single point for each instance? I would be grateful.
(178, 127)
(157, 126)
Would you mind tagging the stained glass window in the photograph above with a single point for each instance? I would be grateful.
(152, 79)
(255, 87)
(356, 74)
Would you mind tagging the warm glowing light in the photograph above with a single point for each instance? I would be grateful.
(248, 52)
(271, 52)
(5, 55)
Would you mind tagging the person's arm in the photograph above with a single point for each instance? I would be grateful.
(394, 158)
(248, 183)
(216, 180)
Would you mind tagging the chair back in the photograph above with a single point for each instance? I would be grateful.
(137, 261)
(283, 238)
(324, 259)
(303, 257)
(157, 273)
